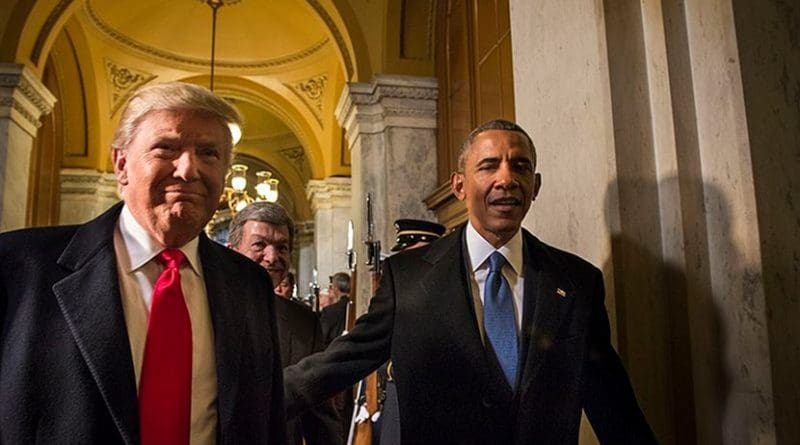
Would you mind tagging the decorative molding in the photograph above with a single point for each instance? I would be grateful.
(311, 91)
(23, 93)
(337, 35)
(126, 41)
(328, 193)
(78, 181)
(303, 234)
(47, 28)
(297, 157)
(85, 193)
(123, 81)
(388, 101)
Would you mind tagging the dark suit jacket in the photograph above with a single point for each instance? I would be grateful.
(66, 373)
(333, 319)
(300, 336)
(450, 389)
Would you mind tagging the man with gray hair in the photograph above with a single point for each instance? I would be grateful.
(264, 232)
(135, 327)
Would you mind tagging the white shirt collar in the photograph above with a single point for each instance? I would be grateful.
(142, 247)
(479, 250)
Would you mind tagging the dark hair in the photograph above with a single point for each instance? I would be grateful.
(290, 277)
(341, 281)
(263, 211)
(494, 124)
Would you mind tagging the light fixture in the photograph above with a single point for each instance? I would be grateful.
(236, 131)
(235, 193)
(238, 197)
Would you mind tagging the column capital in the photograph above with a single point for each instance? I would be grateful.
(387, 101)
(328, 193)
(303, 233)
(23, 97)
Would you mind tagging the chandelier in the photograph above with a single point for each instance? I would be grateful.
(236, 194)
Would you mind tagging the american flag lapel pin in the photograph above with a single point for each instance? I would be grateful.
(561, 293)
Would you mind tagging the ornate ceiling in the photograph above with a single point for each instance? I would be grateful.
(251, 34)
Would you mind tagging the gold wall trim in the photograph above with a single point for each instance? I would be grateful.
(126, 41)
(337, 35)
(47, 28)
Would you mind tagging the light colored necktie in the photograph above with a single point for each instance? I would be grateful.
(498, 318)
(165, 388)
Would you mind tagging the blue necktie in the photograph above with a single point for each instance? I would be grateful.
(498, 318)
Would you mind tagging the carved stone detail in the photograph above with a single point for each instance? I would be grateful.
(311, 92)
(123, 81)
(297, 157)
(328, 193)
(23, 93)
(388, 101)
(303, 233)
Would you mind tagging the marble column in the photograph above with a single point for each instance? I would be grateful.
(390, 125)
(305, 255)
(23, 101)
(330, 201)
(86, 193)
(645, 132)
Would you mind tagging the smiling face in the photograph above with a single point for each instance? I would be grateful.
(268, 245)
(498, 184)
(172, 173)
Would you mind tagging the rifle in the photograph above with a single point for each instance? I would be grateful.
(313, 292)
(366, 397)
(350, 314)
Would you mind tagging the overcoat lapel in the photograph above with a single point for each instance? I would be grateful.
(222, 289)
(89, 298)
(545, 305)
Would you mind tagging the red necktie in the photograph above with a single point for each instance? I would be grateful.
(165, 388)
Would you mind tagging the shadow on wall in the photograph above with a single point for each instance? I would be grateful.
(668, 316)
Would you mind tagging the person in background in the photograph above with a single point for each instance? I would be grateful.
(285, 288)
(134, 327)
(410, 234)
(494, 336)
(264, 232)
(334, 316)
(333, 319)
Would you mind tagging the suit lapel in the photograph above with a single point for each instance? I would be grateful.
(448, 280)
(89, 299)
(222, 289)
(544, 307)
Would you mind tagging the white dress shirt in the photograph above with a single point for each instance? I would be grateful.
(479, 250)
(138, 271)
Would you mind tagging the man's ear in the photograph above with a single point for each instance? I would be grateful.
(120, 160)
(537, 184)
(457, 185)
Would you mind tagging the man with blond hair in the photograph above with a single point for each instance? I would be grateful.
(134, 327)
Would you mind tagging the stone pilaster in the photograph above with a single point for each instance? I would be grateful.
(23, 101)
(330, 201)
(391, 131)
(85, 193)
